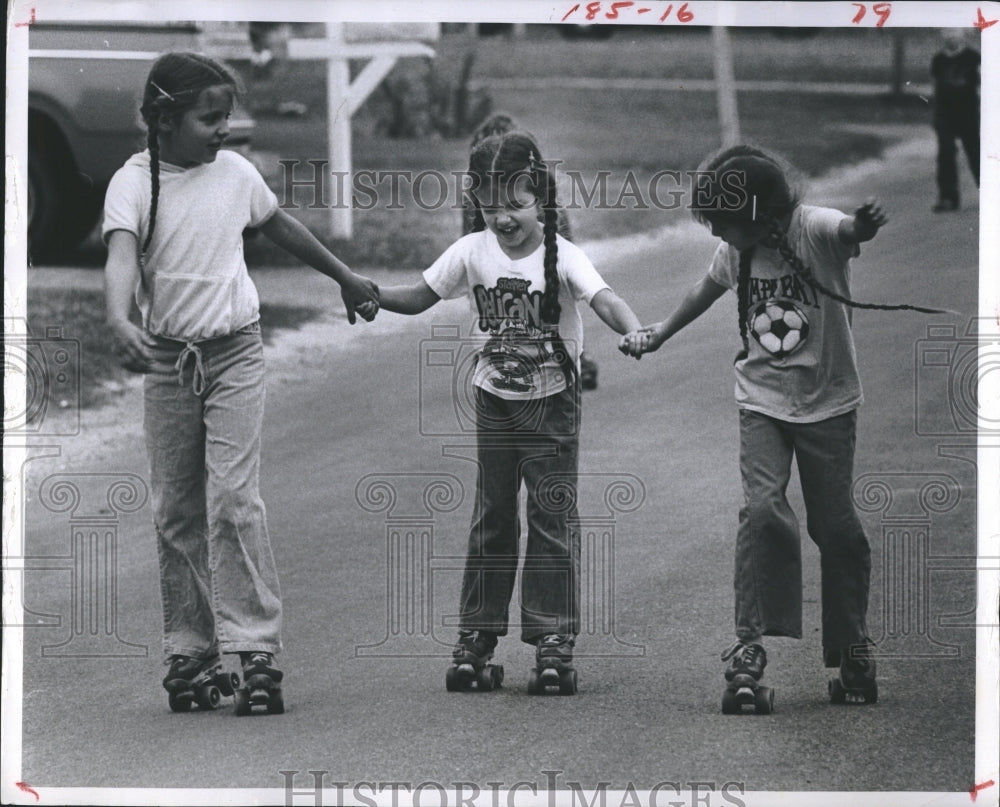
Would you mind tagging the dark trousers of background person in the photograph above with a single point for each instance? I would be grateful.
(962, 126)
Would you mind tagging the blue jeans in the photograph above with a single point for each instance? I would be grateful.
(768, 579)
(204, 406)
(535, 442)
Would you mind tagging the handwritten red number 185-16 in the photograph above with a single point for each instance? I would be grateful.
(613, 12)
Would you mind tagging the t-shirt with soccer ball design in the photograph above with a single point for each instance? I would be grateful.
(518, 358)
(801, 365)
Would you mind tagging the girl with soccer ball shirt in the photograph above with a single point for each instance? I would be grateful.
(798, 391)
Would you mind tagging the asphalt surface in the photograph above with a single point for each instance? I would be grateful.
(367, 639)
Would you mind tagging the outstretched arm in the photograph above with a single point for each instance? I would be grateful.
(695, 303)
(614, 312)
(293, 236)
(408, 299)
(866, 222)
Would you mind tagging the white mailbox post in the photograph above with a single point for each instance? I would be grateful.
(344, 96)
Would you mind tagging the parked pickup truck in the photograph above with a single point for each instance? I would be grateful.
(85, 83)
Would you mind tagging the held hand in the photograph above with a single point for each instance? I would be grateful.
(644, 340)
(131, 346)
(360, 295)
(869, 219)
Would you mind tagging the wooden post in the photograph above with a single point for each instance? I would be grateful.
(343, 97)
(725, 86)
(338, 131)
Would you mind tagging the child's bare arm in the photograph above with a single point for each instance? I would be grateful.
(614, 312)
(293, 236)
(866, 222)
(412, 299)
(121, 276)
(695, 303)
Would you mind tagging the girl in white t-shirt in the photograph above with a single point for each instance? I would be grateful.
(174, 221)
(523, 281)
(798, 391)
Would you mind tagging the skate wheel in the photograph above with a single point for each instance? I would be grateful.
(836, 690)
(180, 702)
(534, 683)
(276, 703)
(208, 697)
(567, 682)
(730, 705)
(242, 699)
(227, 684)
(484, 680)
(452, 680)
(763, 703)
(497, 672)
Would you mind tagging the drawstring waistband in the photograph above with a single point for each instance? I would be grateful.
(198, 377)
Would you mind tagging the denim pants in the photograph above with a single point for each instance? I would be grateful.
(964, 127)
(204, 406)
(768, 579)
(535, 442)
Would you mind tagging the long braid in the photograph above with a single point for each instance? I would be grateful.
(551, 309)
(743, 300)
(792, 259)
(154, 177)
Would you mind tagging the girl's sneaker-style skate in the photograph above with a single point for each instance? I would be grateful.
(193, 680)
(469, 663)
(746, 666)
(856, 682)
(261, 684)
(553, 666)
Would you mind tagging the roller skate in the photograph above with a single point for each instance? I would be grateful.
(469, 663)
(588, 372)
(191, 680)
(856, 683)
(746, 666)
(261, 684)
(553, 668)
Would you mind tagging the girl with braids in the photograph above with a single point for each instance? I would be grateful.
(496, 124)
(523, 281)
(174, 218)
(798, 391)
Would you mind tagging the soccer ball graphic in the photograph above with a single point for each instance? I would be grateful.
(779, 326)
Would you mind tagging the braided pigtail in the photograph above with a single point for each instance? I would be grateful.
(154, 178)
(551, 309)
(743, 300)
(792, 259)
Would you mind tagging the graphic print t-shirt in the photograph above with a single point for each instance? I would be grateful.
(801, 365)
(518, 356)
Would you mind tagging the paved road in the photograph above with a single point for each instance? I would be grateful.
(367, 637)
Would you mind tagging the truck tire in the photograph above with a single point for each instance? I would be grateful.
(62, 209)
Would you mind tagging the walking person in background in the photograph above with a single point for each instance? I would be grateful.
(955, 72)
(497, 124)
(174, 220)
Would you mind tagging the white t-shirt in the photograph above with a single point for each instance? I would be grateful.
(196, 282)
(517, 360)
(801, 365)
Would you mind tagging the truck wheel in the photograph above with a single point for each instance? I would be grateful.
(61, 208)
